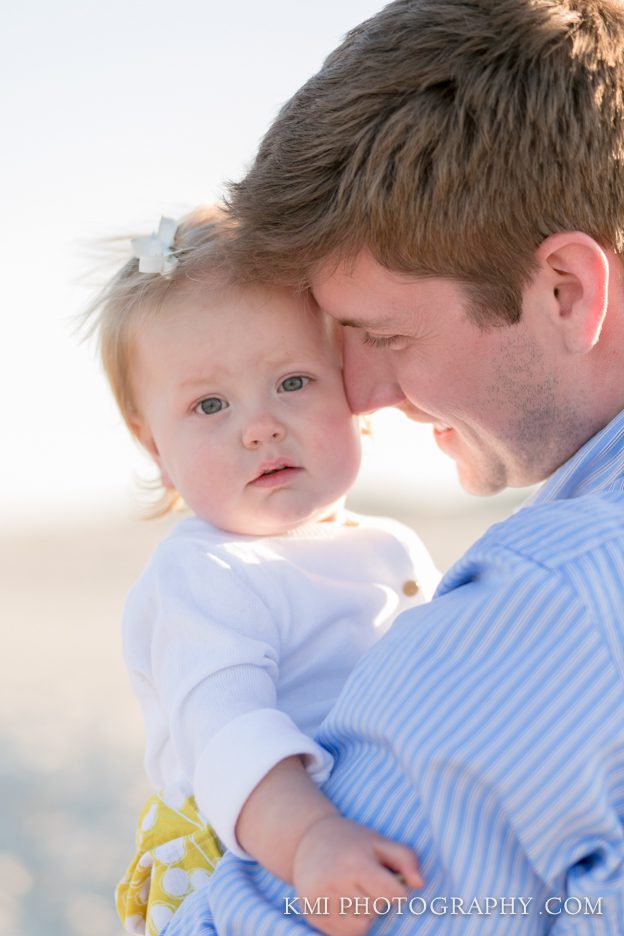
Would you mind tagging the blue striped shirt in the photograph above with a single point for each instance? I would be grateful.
(486, 731)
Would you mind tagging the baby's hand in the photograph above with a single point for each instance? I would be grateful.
(337, 858)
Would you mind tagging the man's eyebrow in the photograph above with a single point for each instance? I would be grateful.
(356, 323)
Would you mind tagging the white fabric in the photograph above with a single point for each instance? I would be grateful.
(237, 647)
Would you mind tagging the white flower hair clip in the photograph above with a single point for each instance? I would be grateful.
(154, 251)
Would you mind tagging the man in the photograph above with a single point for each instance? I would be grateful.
(451, 187)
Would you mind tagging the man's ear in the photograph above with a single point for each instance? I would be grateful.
(576, 272)
(142, 434)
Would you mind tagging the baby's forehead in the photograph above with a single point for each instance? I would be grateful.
(256, 299)
(221, 314)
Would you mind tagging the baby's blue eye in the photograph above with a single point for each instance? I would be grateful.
(293, 383)
(211, 405)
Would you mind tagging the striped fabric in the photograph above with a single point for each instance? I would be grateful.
(486, 731)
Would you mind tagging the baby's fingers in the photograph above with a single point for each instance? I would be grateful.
(382, 888)
(402, 861)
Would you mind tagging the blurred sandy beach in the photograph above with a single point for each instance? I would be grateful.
(70, 733)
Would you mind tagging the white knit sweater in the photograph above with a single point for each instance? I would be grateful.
(238, 646)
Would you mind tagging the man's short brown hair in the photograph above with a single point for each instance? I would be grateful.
(448, 138)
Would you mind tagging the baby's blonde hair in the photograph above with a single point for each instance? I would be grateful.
(199, 248)
(130, 297)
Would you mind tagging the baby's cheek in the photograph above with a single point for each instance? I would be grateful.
(345, 451)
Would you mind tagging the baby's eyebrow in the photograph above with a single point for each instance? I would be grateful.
(220, 373)
(190, 382)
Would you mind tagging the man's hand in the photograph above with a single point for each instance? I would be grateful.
(337, 858)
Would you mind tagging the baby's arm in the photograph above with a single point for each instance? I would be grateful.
(296, 833)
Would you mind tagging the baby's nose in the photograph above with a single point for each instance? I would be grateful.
(261, 430)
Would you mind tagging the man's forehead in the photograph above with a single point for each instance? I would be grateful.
(361, 293)
(338, 267)
(340, 285)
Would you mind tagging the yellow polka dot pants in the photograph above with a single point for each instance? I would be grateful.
(175, 855)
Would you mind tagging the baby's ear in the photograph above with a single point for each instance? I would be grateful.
(142, 434)
(144, 437)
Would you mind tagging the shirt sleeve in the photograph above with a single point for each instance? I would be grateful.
(205, 641)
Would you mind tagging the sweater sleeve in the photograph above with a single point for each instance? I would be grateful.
(201, 638)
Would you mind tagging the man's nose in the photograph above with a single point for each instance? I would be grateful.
(262, 428)
(369, 377)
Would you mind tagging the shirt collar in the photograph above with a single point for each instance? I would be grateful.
(597, 466)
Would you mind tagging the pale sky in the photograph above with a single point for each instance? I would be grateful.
(114, 114)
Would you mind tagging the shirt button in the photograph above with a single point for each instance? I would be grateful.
(411, 588)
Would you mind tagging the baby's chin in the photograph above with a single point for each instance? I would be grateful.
(275, 525)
